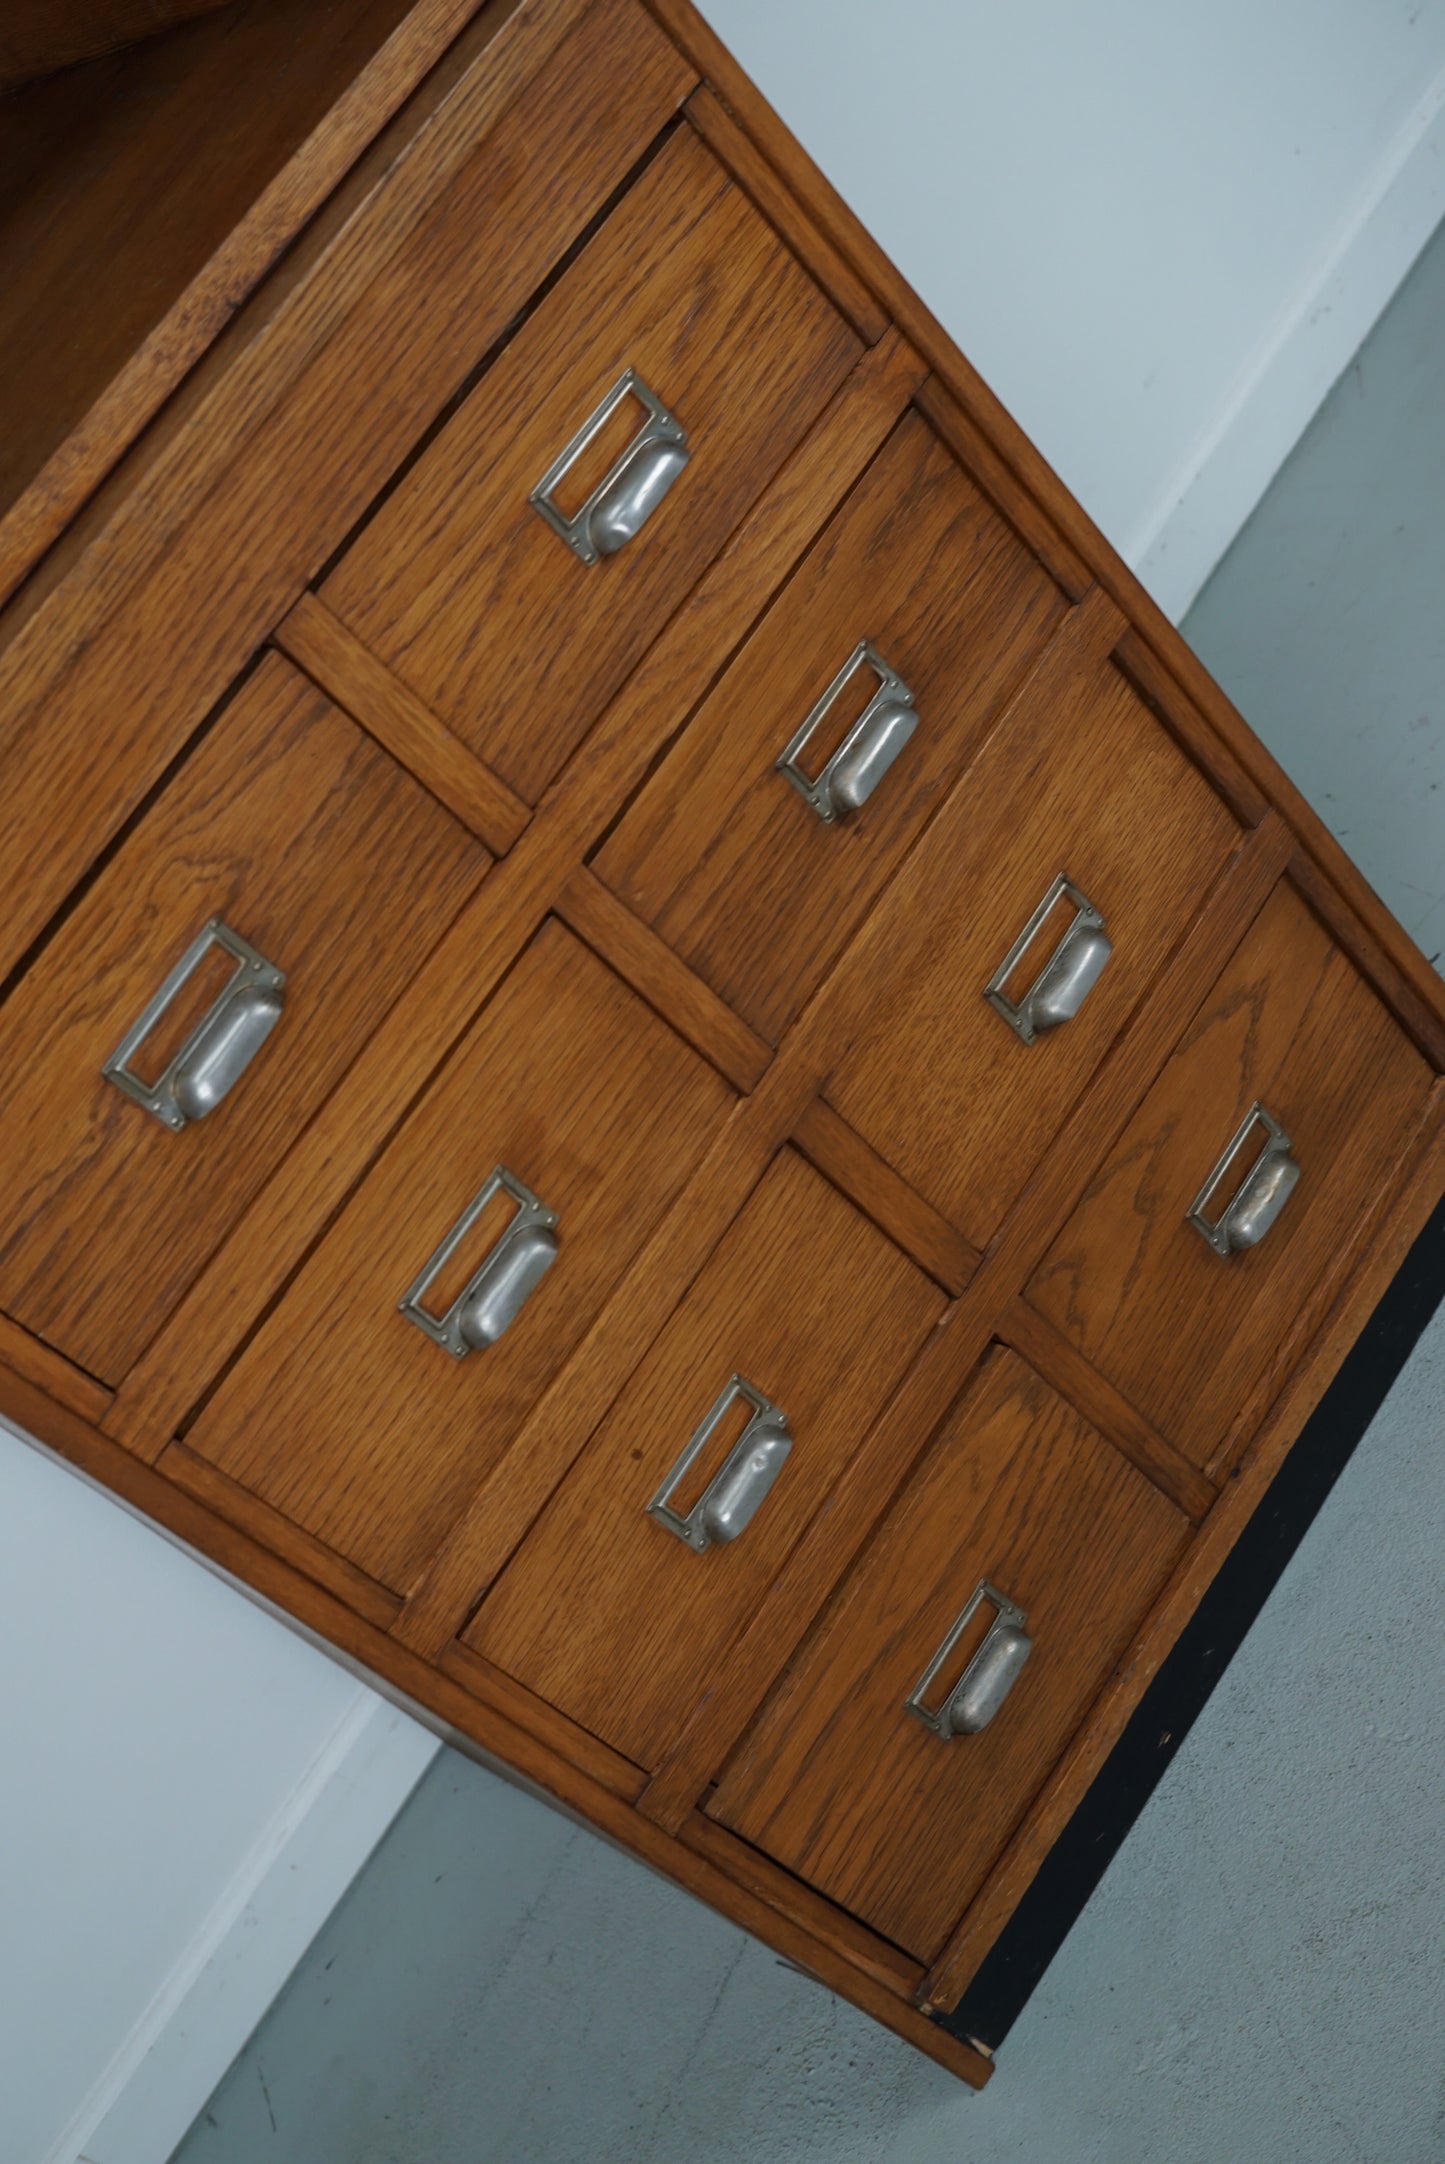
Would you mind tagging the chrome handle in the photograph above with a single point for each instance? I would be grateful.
(223, 1043)
(1260, 1195)
(737, 1490)
(496, 1292)
(1069, 975)
(989, 1676)
(876, 738)
(633, 487)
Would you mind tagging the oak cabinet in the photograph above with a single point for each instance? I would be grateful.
(668, 1066)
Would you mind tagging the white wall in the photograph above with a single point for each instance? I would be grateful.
(1159, 231)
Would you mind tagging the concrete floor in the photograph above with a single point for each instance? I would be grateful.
(1261, 1975)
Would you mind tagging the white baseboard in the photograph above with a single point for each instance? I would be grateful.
(260, 1926)
(1316, 334)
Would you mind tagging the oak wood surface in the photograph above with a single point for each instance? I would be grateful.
(342, 1414)
(213, 1320)
(1079, 780)
(720, 853)
(38, 1363)
(1023, 473)
(1408, 1203)
(1183, 1332)
(460, 586)
(957, 1345)
(845, 1158)
(838, 1781)
(290, 826)
(89, 726)
(38, 36)
(320, 643)
(475, 1724)
(606, 1613)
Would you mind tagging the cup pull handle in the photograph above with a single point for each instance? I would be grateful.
(738, 1489)
(1067, 977)
(497, 1291)
(1260, 1195)
(870, 748)
(223, 1043)
(633, 487)
(989, 1676)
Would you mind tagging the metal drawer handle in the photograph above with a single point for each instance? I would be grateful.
(989, 1676)
(1068, 976)
(628, 494)
(1261, 1194)
(223, 1043)
(495, 1294)
(736, 1492)
(866, 752)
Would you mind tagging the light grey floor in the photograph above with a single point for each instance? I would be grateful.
(1260, 1978)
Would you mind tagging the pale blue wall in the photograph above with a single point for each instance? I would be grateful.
(1260, 1977)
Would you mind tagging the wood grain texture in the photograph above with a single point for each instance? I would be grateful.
(1081, 780)
(634, 950)
(79, 751)
(957, 1345)
(1407, 1205)
(845, 1158)
(214, 1318)
(472, 1723)
(1023, 472)
(783, 210)
(38, 36)
(333, 657)
(342, 1414)
(838, 1782)
(290, 826)
(36, 1363)
(148, 194)
(720, 853)
(459, 585)
(1184, 1333)
(573, 1744)
(818, 1311)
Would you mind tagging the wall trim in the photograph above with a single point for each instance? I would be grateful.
(260, 1925)
(1317, 332)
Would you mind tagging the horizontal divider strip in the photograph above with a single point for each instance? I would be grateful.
(36, 1362)
(833, 1148)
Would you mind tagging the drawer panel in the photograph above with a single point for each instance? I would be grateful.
(1188, 1334)
(609, 1613)
(721, 852)
(839, 1781)
(461, 586)
(292, 828)
(1086, 784)
(344, 1415)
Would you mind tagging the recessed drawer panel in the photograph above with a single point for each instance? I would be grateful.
(1061, 874)
(514, 597)
(750, 878)
(905, 1742)
(225, 966)
(369, 1427)
(1188, 1332)
(733, 1431)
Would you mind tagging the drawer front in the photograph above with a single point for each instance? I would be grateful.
(622, 1617)
(1186, 1333)
(292, 829)
(462, 586)
(349, 1418)
(839, 1780)
(722, 853)
(1085, 785)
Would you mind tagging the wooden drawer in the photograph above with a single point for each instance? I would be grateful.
(1080, 781)
(725, 856)
(461, 586)
(344, 1415)
(293, 829)
(838, 1780)
(609, 1612)
(1191, 1336)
